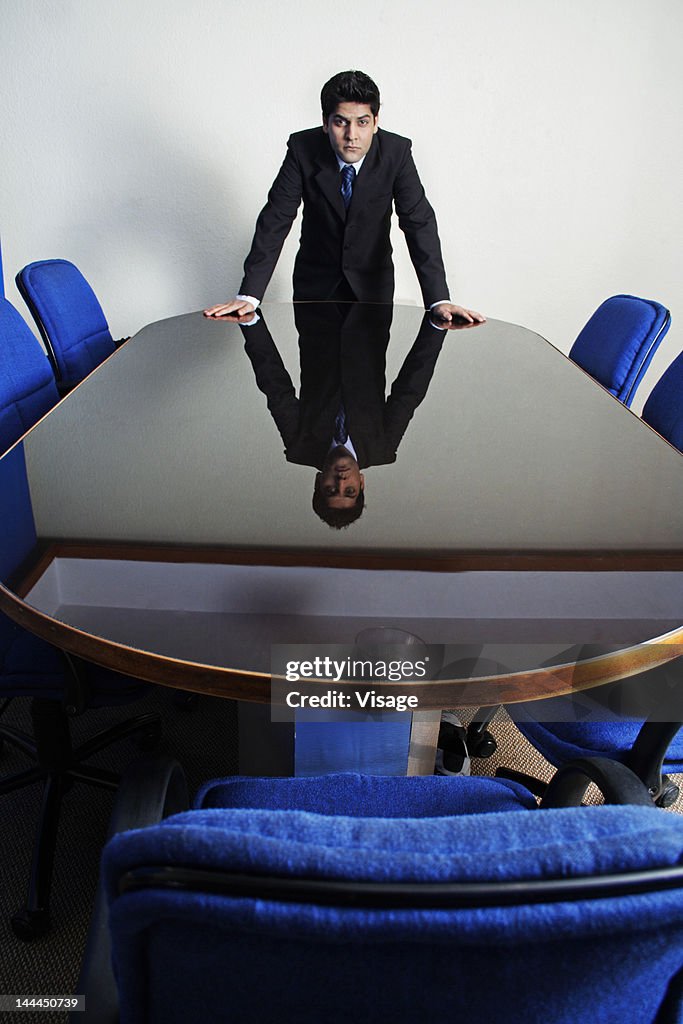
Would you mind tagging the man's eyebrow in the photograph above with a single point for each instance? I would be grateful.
(361, 117)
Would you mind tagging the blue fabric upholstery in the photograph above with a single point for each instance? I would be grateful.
(562, 741)
(27, 384)
(30, 667)
(68, 315)
(601, 722)
(663, 409)
(182, 957)
(368, 796)
(619, 341)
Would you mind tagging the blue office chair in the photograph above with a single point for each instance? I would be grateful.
(30, 666)
(27, 384)
(68, 316)
(663, 409)
(617, 344)
(370, 899)
(636, 721)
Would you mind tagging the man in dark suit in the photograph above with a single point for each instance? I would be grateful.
(350, 175)
(342, 349)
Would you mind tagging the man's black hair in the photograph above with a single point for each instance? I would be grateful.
(349, 87)
(337, 518)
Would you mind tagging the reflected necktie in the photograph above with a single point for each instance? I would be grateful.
(341, 434)
(347, 174)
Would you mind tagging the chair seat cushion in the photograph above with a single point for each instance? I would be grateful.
(575, 843)
(369, 796)
(209, 955)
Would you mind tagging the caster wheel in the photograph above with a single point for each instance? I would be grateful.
(669, 793)
(28, 925)
(483, 746)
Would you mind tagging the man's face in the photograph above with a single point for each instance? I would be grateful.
(341, 480)
(350, 129)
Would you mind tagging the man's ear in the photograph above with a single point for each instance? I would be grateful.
(362, 481)
(374, 130)
(325, 124)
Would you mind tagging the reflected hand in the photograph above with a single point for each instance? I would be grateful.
(236, 308)
(449, 311)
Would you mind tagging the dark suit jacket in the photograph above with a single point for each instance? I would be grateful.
(336, 245)
(343, 358)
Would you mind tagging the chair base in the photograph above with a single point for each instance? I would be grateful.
(59, 766)
(481, 742)
(665, 796)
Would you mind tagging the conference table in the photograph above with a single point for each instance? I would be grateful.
(164, 523)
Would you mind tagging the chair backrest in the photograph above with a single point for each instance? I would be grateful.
(617, 344)
(663, 409)
(68, 315)
(249, 914)
(27, 384)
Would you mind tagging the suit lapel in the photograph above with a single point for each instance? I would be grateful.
(329, 183)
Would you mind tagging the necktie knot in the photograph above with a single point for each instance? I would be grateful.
(348, 174)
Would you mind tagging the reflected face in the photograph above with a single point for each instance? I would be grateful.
(340, 481)
(350, 130)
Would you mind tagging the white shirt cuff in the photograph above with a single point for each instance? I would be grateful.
(249, 298)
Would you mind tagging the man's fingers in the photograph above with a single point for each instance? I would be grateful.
(234, 308)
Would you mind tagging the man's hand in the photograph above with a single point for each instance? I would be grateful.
(238, 307)
(447, 311)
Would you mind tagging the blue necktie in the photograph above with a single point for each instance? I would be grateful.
(348, 174)
(341, 434)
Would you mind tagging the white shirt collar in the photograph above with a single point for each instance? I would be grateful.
(357, 166)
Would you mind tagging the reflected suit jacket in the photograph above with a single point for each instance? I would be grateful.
(353, 245)
(342, 362)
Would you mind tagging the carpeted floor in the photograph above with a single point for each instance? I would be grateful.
(204, 740)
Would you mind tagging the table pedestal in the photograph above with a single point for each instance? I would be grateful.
(387, 743)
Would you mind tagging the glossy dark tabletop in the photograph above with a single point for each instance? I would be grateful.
(511, 446)
(199, 437)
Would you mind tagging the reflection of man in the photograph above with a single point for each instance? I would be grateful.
(350, 174)
(342, 422)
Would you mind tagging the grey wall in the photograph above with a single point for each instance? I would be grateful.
(139, 141)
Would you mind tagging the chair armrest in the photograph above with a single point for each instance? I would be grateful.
(151, 788)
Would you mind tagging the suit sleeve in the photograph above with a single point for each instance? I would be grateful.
(272, 379)
(273, 225)
(412, 382)
(417, 221)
